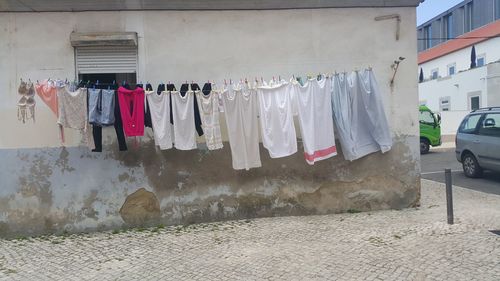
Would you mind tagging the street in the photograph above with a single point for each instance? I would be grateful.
(434, 163)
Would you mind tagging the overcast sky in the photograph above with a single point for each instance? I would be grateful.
(432, 8)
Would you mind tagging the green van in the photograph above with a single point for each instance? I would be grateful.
(430, 129)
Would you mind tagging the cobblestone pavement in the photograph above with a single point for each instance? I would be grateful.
(412, 244)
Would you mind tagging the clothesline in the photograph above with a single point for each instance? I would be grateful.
(350, 100)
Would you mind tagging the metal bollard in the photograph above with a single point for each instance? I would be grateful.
(449, 196)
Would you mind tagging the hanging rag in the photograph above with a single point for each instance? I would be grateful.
(26, 104)
(240, 110)
(72, 109)
(359, 115)
(47, 91)
(132, 111)
(316, 125)
(208, 104)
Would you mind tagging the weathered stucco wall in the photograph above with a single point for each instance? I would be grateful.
(47, 188)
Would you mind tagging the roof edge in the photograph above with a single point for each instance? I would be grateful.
(186, 5)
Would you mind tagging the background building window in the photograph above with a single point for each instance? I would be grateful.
(448, 26)
(452, 69)
(427, 37)
(497, 9)
(468, 24)
(474, 103)
(481, 60)
(434, 74)
(474, 100)
(444, 104)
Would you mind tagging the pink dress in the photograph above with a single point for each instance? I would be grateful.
(132, 111)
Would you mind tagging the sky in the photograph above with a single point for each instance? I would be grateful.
(432, 8)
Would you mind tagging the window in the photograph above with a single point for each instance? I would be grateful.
(452, 69)
(497, 9)
(480, 61)
(434, 74)
(444, 104)
(469, 124)
(468, 17)
(448, 26)
(474, 103)
(490, 125)
(426, 118)
(474, 100)
(427, 37)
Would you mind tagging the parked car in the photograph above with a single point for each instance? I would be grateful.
(478, 141)
(430, 129)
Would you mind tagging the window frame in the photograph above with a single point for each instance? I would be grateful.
(446, 105)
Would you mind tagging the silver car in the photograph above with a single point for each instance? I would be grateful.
(478, 142)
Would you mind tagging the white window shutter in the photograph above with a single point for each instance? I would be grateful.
(106, 59)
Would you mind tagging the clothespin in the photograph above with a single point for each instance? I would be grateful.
(262, 80)
(279, 78)
(225, 82)
(230, 81)
(246, 81)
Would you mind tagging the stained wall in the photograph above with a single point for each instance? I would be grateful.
(49, 188)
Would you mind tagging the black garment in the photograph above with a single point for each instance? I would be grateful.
(171, 87)
(97, 130)
(147, 113)
(197, 117)
(207, 88)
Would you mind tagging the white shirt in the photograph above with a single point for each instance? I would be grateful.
(316, 124)
(240, 110)
(276, 119)
(209, 113)
(183, 115)
(160, 117)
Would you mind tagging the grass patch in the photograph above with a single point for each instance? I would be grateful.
(353, 211)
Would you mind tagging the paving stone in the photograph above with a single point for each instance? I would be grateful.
(411, 244)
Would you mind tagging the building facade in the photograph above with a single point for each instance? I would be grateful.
(50, 188)
(449, 82)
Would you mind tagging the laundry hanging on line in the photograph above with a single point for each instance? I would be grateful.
(350, 101)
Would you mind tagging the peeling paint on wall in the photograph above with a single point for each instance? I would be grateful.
(50, 197)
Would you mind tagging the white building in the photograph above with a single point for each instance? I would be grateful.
(48, 188)
(449, 84)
